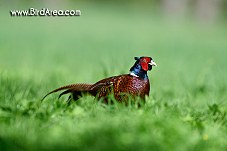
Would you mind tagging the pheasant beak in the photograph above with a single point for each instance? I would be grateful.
(152, 63)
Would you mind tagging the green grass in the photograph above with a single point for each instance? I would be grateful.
(187, 106)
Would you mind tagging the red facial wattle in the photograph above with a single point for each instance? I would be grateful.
(144, 62)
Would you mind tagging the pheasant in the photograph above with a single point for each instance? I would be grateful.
(135, 84)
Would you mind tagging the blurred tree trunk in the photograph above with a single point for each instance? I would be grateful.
(175, 8)
(208, 10)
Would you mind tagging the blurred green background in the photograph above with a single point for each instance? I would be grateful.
(183, 37)
(186, 38)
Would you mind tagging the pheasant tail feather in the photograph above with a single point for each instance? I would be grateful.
(81, 87)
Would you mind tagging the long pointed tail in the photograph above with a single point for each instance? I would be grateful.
(80, 87)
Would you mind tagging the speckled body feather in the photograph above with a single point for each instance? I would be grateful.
(121, 86)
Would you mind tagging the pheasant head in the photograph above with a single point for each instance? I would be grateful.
(141, 66)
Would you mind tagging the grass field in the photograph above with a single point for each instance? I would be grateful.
(187, 106)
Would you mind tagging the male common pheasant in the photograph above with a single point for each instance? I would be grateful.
(136, 83)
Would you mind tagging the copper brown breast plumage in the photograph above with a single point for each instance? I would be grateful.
(136, 83)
